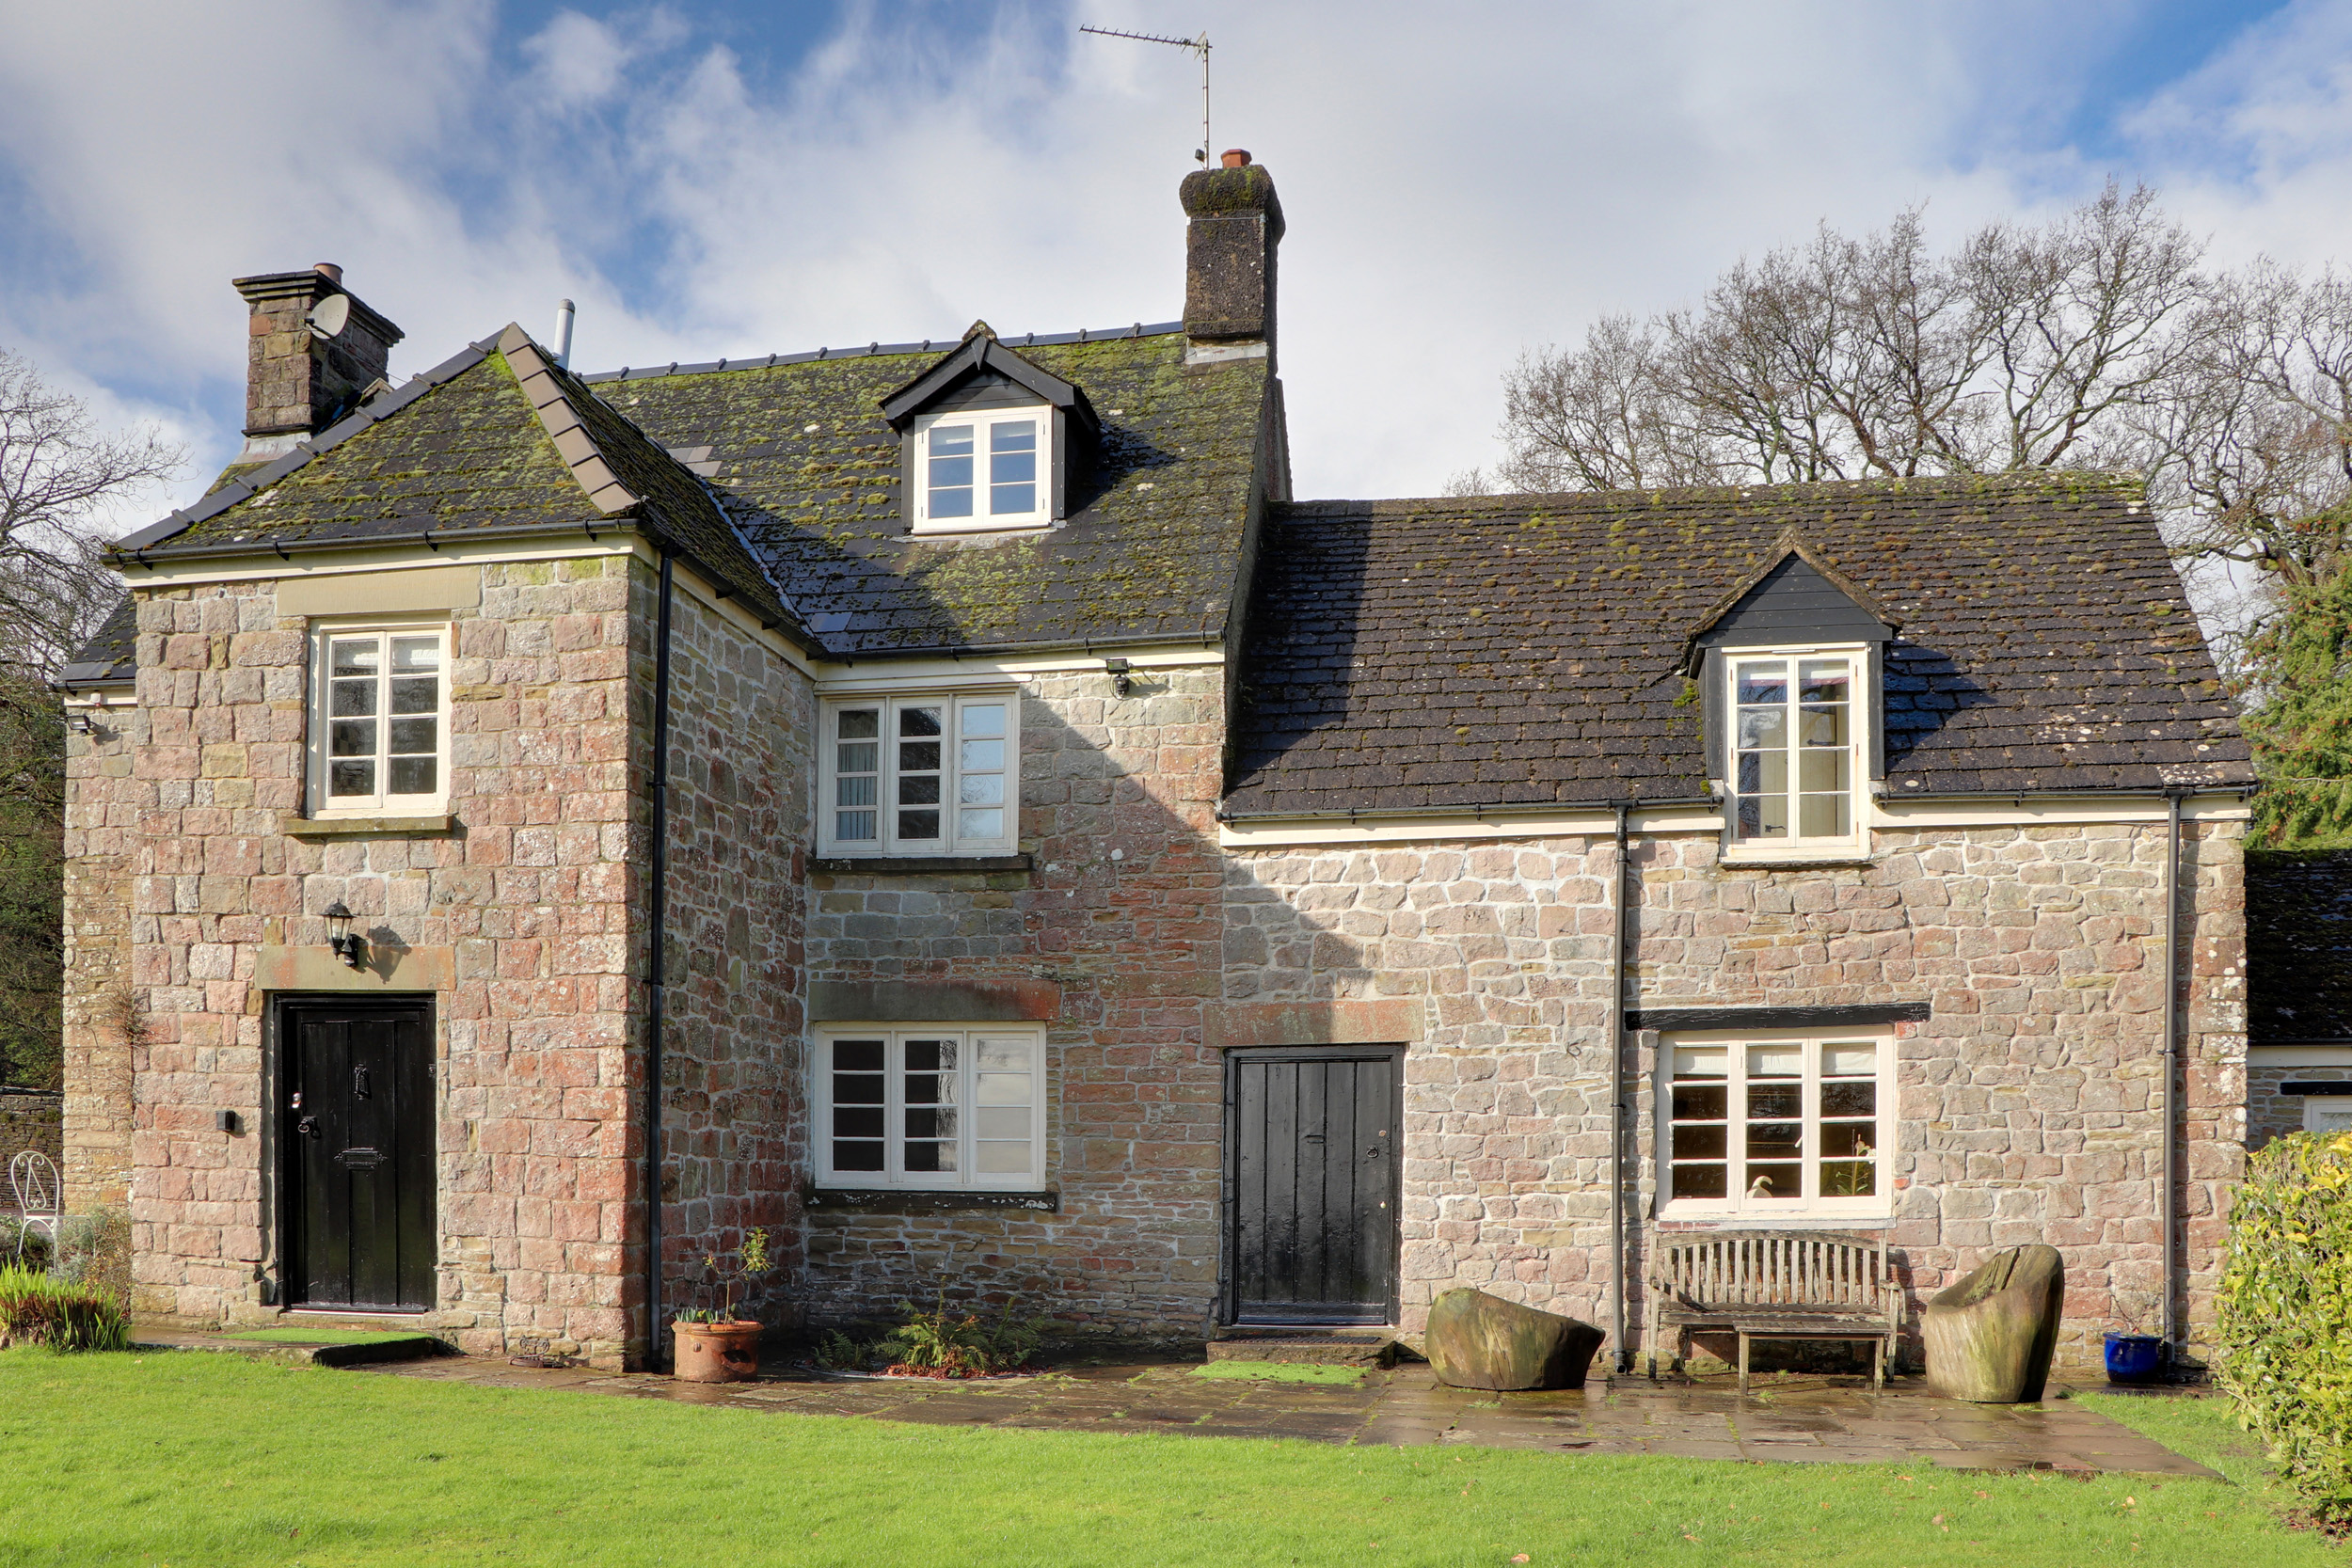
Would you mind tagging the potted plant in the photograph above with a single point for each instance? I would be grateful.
(711, 1344)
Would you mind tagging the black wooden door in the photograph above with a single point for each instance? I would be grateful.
(356, 1123)
(1311, 1182)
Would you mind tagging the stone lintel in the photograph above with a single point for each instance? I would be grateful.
(1391, 1022)
(1858, 1017)
(1004, 999)
(389, 969)
(381, 593)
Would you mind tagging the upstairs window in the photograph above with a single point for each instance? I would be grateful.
(922, 775)
(935, 1107)
(1796, 748)
(380, 719)
(977, 470)
(1777, 1124)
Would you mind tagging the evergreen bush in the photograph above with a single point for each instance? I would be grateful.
(2285, 1314)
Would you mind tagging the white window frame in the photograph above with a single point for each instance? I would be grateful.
(1861, 705)
(317, 725)
(1808, 1204)
(982, 422)
(2317, 1107)
(953, 840)
(970, 1039)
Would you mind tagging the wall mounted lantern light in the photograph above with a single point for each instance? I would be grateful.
(1117, 669)
(351, 949)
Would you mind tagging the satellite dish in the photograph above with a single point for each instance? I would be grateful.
(330, 315)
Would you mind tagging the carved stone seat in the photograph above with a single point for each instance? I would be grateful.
(1991, 1336)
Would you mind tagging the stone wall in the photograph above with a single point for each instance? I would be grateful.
(2271, 1113)
(30, 1121)
(530, 898)
(1121, 912)
(2026, 1104)
(734, 1078)
(104, 804)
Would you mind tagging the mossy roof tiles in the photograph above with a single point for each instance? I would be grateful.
(1150, 552)
(1523, 650)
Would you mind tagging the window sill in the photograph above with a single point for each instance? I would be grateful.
(362, 827)
(1840, 854)
(914, 865)
(924, 1200)
(1876, 1219)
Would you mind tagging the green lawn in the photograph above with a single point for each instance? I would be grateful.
(209, 1460)
(323, 1335)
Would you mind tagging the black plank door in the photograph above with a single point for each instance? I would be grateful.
(356, 1123)
(1311, 1182)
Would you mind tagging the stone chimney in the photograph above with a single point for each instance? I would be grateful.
(300, 378)
(1229, 261)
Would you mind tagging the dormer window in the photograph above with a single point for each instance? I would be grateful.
(983, 469)
(991, 441)
(1796, 746)
(1789, 661)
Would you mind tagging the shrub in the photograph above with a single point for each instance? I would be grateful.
(63, 1314)
(2285, 1314)
(94, 1250)
(949, 1343)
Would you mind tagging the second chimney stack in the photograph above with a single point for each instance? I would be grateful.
(1229, 251)
(299, 379)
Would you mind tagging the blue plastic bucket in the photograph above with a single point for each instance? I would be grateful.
(2133, 1357)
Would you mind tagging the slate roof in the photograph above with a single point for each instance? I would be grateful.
(2298, 946)
(496, 441)
(111, 656)
(1523, 650)
(1151, 552)
(781, 476)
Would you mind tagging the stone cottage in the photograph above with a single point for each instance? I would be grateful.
(948, 804)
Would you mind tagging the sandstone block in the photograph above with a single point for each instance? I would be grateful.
(1475, 1340)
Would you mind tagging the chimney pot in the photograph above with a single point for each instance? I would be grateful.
(1236, 158)
(297, 383)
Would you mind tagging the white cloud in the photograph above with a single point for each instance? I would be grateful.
(1460, 182)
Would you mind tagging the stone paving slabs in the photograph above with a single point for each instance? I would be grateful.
(1815, 1420)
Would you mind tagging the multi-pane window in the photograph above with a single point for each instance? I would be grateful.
(921, 775)
(1795, 748)
(1777, 1124)
(979, 470)
(379, 725)
(932, 1107)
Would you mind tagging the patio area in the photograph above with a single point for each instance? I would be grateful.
(1798, 1420)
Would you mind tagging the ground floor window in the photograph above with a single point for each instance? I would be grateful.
(1777, 1122)
(931, 1107)
(2328, 1113)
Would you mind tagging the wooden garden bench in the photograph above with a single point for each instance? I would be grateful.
(1773, 1285)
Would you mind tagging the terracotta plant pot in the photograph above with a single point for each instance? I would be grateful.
(715, 1352)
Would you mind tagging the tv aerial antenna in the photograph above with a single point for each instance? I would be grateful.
(1198, 46)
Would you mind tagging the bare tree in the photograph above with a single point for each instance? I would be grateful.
(58, 473)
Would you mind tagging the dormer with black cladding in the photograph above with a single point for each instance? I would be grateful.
(989, 443)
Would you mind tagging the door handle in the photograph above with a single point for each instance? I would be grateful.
(307, 1126)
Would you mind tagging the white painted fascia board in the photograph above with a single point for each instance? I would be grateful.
(2300, 1055)
(2032, 811)
(869, 675)
(1276, 833)
(265, 564)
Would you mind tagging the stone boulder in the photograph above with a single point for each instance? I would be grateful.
(1989, 1337)
(1475, 1340)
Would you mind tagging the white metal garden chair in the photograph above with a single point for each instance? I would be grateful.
(39, 1199)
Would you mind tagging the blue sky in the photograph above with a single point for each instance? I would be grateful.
(1462, 181)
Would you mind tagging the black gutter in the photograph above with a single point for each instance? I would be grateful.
(1617, 1117)
(656, 917)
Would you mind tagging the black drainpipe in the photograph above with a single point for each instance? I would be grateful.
(656, 917)
(2170, 1204)
(1617, 1106)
